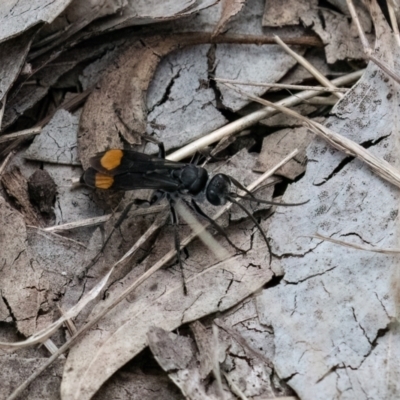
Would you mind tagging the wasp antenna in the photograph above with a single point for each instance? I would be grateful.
(232, 200)
(195, 207)
(272, 203)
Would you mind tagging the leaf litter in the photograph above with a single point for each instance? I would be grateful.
(258, 338)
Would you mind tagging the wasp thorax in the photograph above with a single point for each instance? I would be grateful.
(218, 190)
(193, 178)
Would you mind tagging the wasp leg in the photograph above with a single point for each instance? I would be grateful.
(255, 221)
(116, 226)
(195, 207)
(174, 221)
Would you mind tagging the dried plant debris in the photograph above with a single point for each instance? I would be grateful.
(336, 32)
(16, 187)
(46, 74)
(42, 191)
(12, 55)
(14, 368)
(75, 18)
(332, 312)
(177, 356)
(316, 57)
(72, 204)
(57, 142)
(268, 64)
(251, 352)
(35, 270)
(140, 379)
(147, 12)
(106, 114)
(319, 319)
(281, 120)
(286, 13)
(262, 63)
(161, 302)
(240, 352)
(278, 144)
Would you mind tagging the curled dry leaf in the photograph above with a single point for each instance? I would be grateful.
(332, 313)
(117, 105)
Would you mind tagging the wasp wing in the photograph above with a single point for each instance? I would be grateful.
(116, 161)
(130, 181)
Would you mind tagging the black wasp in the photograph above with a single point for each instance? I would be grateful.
(130, 170)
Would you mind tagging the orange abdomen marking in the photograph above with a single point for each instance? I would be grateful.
(103, 181)
(111, 159)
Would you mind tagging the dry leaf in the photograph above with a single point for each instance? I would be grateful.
(75, 17)
(16, 187)
(336, 33)
(177, 356)
(288, 12)
(229, 9)
(34, 270)
(280, 143)
(143, 381)
(315, 57)
(19, 15)
(42, 271)
(47, 72)
(118, 100)
(332, 312)
(160, 302)
(140, 12)
(282, 120)
(265, 63)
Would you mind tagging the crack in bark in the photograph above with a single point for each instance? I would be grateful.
(310, 277)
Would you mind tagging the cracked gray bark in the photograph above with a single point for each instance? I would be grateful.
(57, 141)
(20, 15)
(181, 107)
(334, 303)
